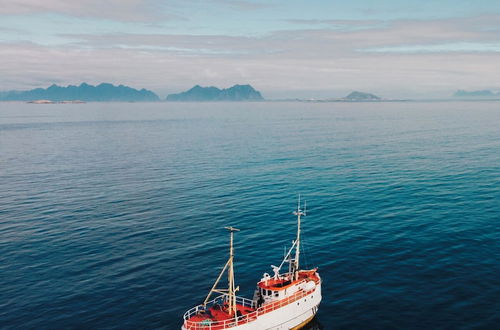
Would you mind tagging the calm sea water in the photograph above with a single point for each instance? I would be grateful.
(112, 215)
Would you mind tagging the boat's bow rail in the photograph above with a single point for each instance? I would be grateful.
(220, 300)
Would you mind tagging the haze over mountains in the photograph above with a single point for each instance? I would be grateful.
(101, 93)
(235, 93)
(106, 92)
(360, 96)
(477, 94)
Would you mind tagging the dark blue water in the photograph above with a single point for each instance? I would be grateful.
(112, 215)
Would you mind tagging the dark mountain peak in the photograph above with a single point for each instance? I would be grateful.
(242, 87)
(234, 93)
(106, 85)
(198, 88)
(361, 96)
(240, 93)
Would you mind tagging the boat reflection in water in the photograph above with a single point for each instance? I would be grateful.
(313, 325)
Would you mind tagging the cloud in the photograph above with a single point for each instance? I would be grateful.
(243, 5)
(341, 25)
(390, 75)
(120, 10)
(320, 43)
(316, 62)
(237, 47)
(456, 47)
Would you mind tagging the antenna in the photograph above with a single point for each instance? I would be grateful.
(298, 213)
(232, 228)
(298, 204)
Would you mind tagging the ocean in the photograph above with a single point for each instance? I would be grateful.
(112, 215)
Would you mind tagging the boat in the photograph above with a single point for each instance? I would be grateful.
(285, 300)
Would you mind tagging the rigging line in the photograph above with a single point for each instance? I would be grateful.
(306, 260)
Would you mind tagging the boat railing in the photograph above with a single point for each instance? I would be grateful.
(218, 300)
(246, 318)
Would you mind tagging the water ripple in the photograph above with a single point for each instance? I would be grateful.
(112, 215)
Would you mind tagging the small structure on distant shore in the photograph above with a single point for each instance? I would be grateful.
(60, 102)
(41, 102)
(72, 102)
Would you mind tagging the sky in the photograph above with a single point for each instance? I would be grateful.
(285, 49)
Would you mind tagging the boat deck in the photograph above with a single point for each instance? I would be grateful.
(218, 315)
(283, 283)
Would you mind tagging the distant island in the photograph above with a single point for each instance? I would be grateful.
(204, 94)
(351, 97)
(87, 93)
(477, 94)
(360, 96)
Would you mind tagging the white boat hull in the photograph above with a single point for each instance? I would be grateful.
(291, 316)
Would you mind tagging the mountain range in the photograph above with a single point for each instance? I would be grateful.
(106, 92)
(235, 93)
(101, 93)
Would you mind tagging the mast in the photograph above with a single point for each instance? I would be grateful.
(231, 290)
(298, 213)
(231, 285)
